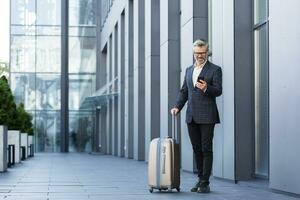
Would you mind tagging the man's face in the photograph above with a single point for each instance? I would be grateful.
(200, 54)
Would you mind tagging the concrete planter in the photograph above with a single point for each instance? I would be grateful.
(3, 148)
(14, 137)
(24, 143)
(30, 146)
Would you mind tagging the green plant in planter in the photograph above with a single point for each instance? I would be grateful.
(24, 120)
(8, 108)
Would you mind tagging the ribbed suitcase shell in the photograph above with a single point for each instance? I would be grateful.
(163, 165)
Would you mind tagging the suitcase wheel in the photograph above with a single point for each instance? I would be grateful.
(151, 190)
(178, 189)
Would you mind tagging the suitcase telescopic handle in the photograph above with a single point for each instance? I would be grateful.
(174, 127)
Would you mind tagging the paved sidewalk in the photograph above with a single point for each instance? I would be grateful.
(102, 177)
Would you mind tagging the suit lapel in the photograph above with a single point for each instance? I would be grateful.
(190, 76)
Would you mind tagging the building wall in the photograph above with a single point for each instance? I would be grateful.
(223, 55)
(284, 50)
(177, 25)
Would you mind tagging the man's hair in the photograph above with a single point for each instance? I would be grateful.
(201, 43)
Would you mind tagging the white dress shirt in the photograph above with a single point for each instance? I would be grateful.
(196, 72)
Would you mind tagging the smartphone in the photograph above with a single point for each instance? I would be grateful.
(200, 78)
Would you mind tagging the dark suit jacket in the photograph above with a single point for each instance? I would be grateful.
(201, 107)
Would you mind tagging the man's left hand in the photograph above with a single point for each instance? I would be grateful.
(202, 85)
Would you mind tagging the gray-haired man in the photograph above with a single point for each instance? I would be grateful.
(202, 84)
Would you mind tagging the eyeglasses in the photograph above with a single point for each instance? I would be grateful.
(200, 53)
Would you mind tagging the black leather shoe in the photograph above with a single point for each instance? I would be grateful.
(196, 186)
(203, 188)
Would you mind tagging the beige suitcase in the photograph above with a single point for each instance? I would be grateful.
(164, 163)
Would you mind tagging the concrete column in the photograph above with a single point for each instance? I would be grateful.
(169, 61)
(121, 85)
(128, 147)
(152, 72)
(24, 143)
(30, 142)
(14, 138)
(114, 88)
(194, 25)
(109, 103)
(139, 79)
(222, 48)
(3, 148)
(103, 132)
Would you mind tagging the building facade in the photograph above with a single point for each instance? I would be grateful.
(51, 73)
(102, 75)
(144, 49)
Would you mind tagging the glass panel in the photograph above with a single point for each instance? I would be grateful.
(23, 12)
(23, 89)
(48, 12)
(80, 86)
(82, 54)
(81, 130)
(260, 11)
(22, 30)
(22, 54)
(48, 91)
(82, 12)
(48, 53)
(48, 30)
(88, 31)
(47, 131)
(261, 103)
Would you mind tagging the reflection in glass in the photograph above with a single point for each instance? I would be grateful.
(23, 89)
(48, 53)
(82, 12)
(80, 86)
(48, 12)
(260, 11)
(81, 125)
(82, 54)
(261, 102)
(48, 91)
(22, 54)
(23, 12)
(47, 131)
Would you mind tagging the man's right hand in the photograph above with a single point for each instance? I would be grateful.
(174, 111)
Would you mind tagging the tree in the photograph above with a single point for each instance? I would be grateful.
(4, 68)
(8, 109)
(24, 120)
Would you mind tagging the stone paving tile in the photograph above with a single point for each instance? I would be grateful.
(95, 177)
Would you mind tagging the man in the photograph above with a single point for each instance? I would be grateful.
(202, 84)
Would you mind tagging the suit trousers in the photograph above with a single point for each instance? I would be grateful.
(201, 136)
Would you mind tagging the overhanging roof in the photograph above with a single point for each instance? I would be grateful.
(100, 97)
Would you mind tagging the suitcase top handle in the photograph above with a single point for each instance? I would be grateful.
(174, 128)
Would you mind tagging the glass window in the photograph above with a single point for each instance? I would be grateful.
(48, 12)
(260, 11)
(80, 86)
(47, 125)
(48, 91)
(81, 125)
(82, 12)
(82, 54)
(22, 30)
(23, 89)
(23, 12)
(48, 30)
(261, 101)
(22, 54)
(48, 53)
